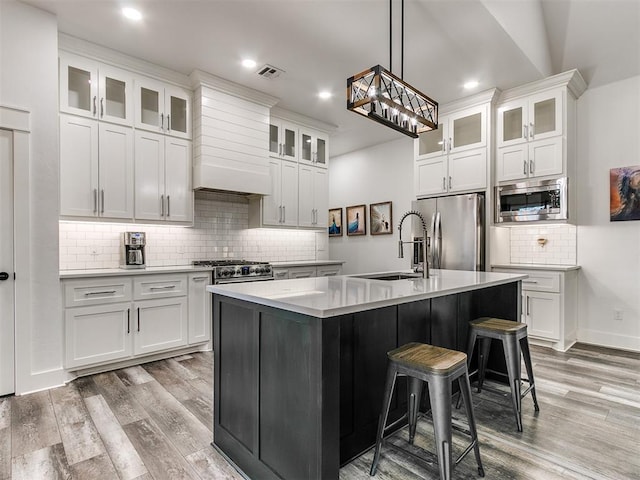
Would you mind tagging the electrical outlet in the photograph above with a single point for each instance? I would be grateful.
(618, 314)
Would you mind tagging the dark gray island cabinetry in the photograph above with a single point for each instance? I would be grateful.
(299, 365)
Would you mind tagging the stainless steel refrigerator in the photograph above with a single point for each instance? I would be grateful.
(456, 231)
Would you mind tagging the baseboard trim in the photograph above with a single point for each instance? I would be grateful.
(608, 339)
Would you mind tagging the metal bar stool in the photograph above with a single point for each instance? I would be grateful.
(439, 367)
(514, 340)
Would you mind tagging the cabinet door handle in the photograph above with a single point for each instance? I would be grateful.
(527, 306)
(168, 205)
(138, 318)
(162, 121)
(531, 130)
(101, 107)
(164, 287)
(525, 168)
(95, 200)
(102, 200)
(102, 292)
(284, 213)
(197, 279)
(449, 147)
(168, 122)
(531, 166)
(128, 320)
(95, 109)
(444, 183)
(529, 281)
(280, 149)
(162, 205)
(525, 132)
(280, 214)
(449, 182)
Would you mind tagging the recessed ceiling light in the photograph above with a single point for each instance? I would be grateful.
(324, 95)
(131, 13)
(470, 84)
(248, 63)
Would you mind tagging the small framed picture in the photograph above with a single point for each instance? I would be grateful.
(335, 222)
(380, 218)
(357, 220)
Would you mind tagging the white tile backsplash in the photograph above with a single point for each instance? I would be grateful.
(220, 231)
(560, 247)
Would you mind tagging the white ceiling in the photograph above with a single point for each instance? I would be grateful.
(319, 43)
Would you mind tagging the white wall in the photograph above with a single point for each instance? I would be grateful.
(29, 80)
(608, 252)
(377, 174)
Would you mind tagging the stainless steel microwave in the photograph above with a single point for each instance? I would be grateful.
(532, 201)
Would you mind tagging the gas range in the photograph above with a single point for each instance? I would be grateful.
(235, 271)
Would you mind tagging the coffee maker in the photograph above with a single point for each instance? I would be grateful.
(134, 255)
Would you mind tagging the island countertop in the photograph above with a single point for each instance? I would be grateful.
(325, 297)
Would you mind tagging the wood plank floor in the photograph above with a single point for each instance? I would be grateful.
(154, 421)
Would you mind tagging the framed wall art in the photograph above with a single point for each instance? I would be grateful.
(356, 220)
(335, 222)
(380, 218)
(624, 193)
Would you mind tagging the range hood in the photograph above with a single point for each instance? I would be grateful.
(230, 136)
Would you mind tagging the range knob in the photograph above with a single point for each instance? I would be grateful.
(267, 269)
(225, 272)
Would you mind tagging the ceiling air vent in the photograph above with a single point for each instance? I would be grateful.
(269, 71)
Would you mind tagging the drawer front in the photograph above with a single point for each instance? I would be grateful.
(98, 291)
(159, 286)
(538, 281)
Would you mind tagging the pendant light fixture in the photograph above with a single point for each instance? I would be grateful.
(380, 95)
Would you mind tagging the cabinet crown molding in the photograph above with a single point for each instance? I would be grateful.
(487, 96)
(78, 46)
(571, 79)
(201, 78)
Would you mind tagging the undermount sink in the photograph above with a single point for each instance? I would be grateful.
(390, 276)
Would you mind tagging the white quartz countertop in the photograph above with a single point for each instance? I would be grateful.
(536, 266)
(110, 272)
(330, 296)
(306, 263)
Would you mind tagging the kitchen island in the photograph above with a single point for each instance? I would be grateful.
(299, 365)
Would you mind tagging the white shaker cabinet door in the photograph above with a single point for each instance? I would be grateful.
(321, 198)
(149, 176)
(200, 318)
(289, 194)
(306, 206)
(178, 192)
(116, 171)
(160, 324)
(78, 166)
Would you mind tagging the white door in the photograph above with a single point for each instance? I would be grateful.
(7, 308)
(149, 176)
(290, 194)
(306, 206)
(271, 204)
(116, 171)
(177, 178)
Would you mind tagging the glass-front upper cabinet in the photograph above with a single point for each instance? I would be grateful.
(283, 139)
(314, 148)
(95, 90)
(534, 117)
(456, 132)
(163, 108)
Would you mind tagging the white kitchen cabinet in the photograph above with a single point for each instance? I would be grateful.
(534, 117)
(162, 178)
(281, 207)
(536, 129)
(313, 185)
(302, 272)
(96, 168)
(199, 307)
(328, 270)
(97, 334)
(95, 90)
(314, 148)
(283, 139)
(162, 108)
(160, 324)
(110, 319)
(453, 158)
(549, 306)
(280, 273)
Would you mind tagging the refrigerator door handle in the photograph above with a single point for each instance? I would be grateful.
(434, 244)
(437, 233)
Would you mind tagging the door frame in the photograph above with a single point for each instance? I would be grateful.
(18, 120)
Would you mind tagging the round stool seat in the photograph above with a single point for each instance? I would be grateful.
(428, 358)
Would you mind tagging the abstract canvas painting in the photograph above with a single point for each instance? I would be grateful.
(356, 220)
(380, 221)
(335, 222)
(624, 193)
